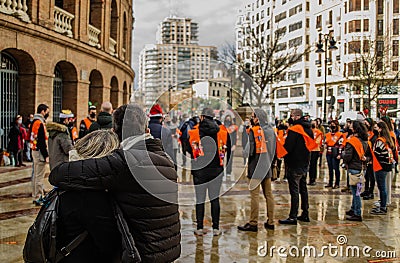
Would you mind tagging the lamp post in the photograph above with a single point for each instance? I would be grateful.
(323, 41)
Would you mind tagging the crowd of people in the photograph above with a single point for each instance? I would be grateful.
(126, 156)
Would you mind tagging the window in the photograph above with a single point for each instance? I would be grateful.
(366, 4)
(395, 66)
(380, 6)
(282, 93)
(366, 25)
(319, 21)
(307, 6)
(280, 17)
(365, 46)
(320, 92)
(379, 65)
(296, 92)
(395, 48)
(354, 26)
(281, 46)
(380, 47)
(396, 6)
(295, 10)
(307, 73)
(330, 19)
(308, 23)
(354, 5)
(262, 14)
(380, 27)
(395, 26)
(319, 74)
(354, 69)
(295, 42)
(295, 26)
(320, 2)
(294, 75)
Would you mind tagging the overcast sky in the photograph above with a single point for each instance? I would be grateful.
(216, 19)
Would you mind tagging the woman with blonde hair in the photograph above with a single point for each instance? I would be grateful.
(90, 211)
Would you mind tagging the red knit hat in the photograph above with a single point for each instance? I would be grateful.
(156, 111)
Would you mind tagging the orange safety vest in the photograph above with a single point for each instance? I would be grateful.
(332, 140)
(356, 143)
(88, 123)
(197, 149)
(370, 135)
(310, 143)
(34, 133)
(232, 128)
(317, 134)
(74, 134)
(259, 138)
(280, 149)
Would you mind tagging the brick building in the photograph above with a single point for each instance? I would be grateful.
(63, 53)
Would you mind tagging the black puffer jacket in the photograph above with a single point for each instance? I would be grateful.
(146, 190)
(206, 168)
(104, 122)
(298, 155)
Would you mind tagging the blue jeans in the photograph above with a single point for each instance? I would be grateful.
(380, 177)
(333, 164)
(356, 202)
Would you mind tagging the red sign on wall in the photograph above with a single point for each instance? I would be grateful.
(390, 102)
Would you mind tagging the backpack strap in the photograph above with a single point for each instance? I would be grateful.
(65, 251)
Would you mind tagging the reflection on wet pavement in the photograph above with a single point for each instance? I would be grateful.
(327, 213)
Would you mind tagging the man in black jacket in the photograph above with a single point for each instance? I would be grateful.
(143, 181)
(104, 119)
(297, 160)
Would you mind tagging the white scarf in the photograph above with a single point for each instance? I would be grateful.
(129, 142)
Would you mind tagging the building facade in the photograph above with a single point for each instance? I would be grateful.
(175, 60)
(361, 28)
(64, 54)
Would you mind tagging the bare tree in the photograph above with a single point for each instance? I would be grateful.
(271, 59)
(370, 73)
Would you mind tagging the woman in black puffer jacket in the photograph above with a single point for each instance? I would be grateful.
(143, 181)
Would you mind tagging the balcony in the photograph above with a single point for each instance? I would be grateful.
(17, 8)
(112, 46)
(94, 34)
(63, 21)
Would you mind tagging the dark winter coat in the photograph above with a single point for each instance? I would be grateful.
(15, 139)
(351, 158)
(259, 164)
(60, 144)
(164, 134)
(206, 168)
(92, 211)
(298, 155)
(104, 122)
(146, 191)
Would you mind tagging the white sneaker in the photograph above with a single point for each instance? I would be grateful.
(199, 232)
(377, 204)
(216, 232)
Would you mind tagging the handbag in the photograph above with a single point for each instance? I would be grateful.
(354, 179)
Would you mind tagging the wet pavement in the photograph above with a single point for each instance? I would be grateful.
(328, 227)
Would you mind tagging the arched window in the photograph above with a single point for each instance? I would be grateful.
(114, 21)
(9, 96)
(57, 94)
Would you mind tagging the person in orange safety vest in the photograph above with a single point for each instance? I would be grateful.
(209, 145)
(87, 122)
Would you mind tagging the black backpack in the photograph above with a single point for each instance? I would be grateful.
(40, 245)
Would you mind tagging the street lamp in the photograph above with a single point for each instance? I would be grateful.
(323, 40)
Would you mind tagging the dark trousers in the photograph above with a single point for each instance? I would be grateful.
(185, 148)
(369, 180)
(175, 153)
(213, 188)
(18, 157)
(313, 166)
(381, 182)
(333, 165)
(297, 185)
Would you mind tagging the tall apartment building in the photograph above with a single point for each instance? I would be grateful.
(175, 60)
(352, 23)
(266, 18)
